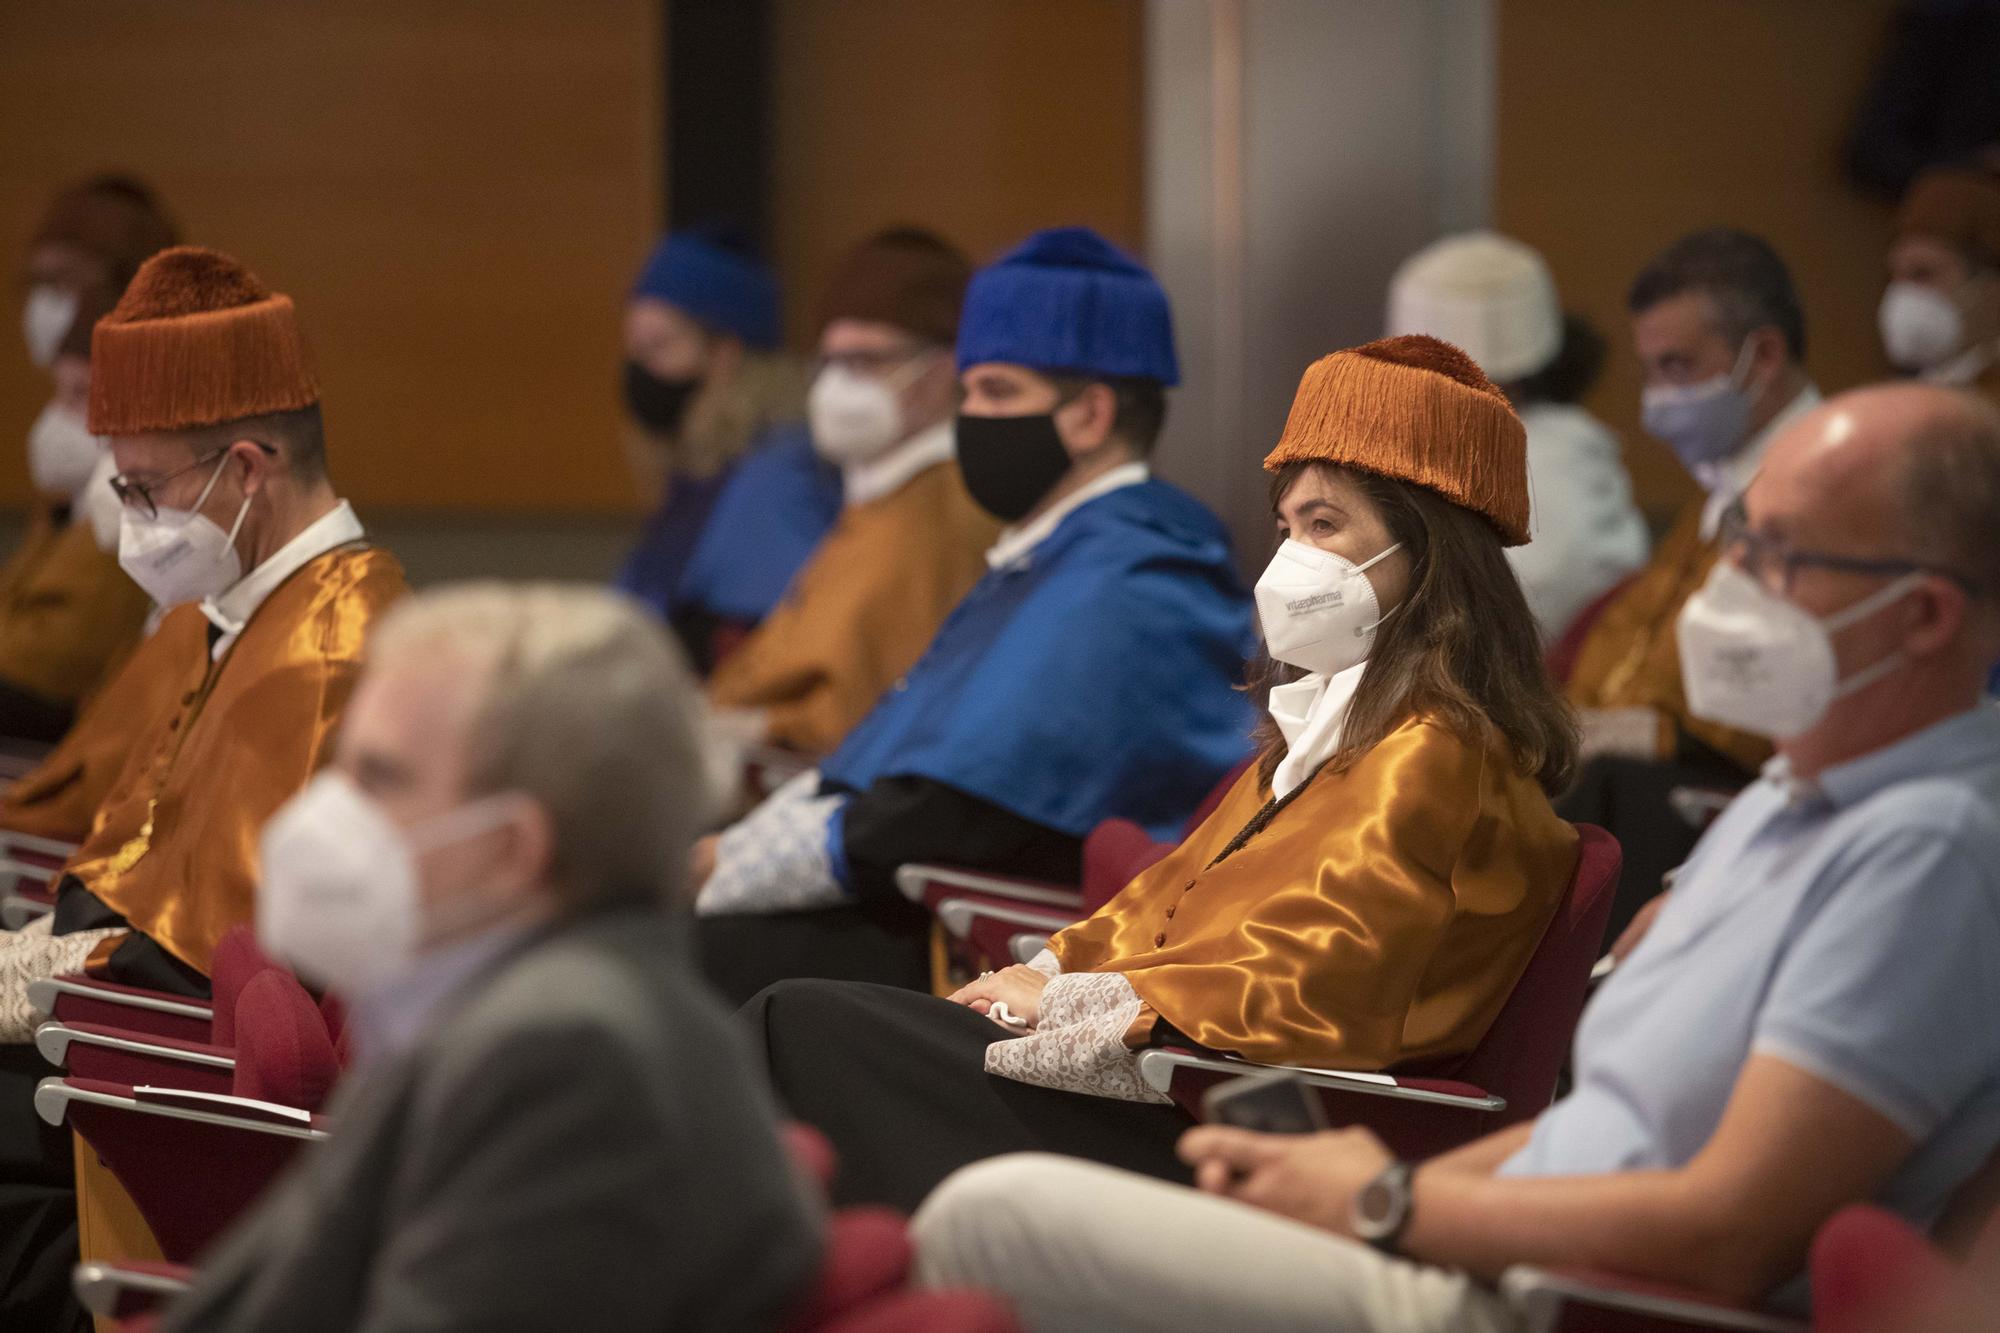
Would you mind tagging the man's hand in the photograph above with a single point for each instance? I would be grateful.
(1629, 733)
(1311, 1178)
(701, 864)
(1018, 987)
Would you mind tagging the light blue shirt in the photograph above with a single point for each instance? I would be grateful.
(1849, 927)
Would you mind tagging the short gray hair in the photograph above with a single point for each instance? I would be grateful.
(583, 704)
(1951, 487)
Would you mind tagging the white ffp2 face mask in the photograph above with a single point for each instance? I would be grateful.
(856, 417)
(339, 896)
(45, 319)
(181, 555)
(1754, 661)
(1318, 609)
(62, 452)
(1921, 327)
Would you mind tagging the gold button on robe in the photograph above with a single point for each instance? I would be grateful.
(1382, 917)
(60, 796)
(174, 849)
(861, 611)
(68, 614)
(1631, 657)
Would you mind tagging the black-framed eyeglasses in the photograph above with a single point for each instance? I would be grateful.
(1775, 562)
(139, 494)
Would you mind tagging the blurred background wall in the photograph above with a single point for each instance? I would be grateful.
(457, 191)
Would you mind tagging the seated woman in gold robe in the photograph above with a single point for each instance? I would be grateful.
(1366, 896)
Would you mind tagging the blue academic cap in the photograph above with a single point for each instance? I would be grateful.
(1068, 301)
(725, 289)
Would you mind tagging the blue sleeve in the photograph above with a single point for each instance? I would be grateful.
(1890, 990)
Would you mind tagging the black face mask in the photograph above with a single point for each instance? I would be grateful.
(1010, 463)
(655, 403)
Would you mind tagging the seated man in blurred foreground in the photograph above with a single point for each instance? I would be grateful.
(1803, 1027)
(550, 1124)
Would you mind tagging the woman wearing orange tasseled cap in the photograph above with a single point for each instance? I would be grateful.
(1364, 897)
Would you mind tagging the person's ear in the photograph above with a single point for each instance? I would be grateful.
(1086, 421)
(530, 842)
(1768, 356)
(253, 466)
(1936, 616)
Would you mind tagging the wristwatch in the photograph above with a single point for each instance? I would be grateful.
(1381, 1211)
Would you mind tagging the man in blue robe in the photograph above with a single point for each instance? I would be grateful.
(1091, 674)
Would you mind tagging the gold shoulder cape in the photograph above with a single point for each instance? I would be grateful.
(174, 849)
(861, 611)
(1631, 658)
(1382, 917)
(60, 797)
(68, 614)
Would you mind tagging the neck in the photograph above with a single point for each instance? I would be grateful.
(292, 511)
(1775, 399)
(1081, 473)
(1899, 705)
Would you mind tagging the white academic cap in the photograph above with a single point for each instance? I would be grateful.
(1490, 295)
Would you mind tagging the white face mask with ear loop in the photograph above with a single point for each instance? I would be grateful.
(1752, 660)
(45, 318)
(99, 504)
(1318, 610)
(856, 417)
(61, 452)
(339, 896)
(181, 555)
(1921, 327)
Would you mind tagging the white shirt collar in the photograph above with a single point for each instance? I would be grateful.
(1730, 477)
(1966, 367)
(1310, 713)
(231, 610)
(886, 473)
(1016, 543)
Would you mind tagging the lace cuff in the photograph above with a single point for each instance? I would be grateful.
(1079, 1045)
(775, 858)
(1046, 964)
(32, 953)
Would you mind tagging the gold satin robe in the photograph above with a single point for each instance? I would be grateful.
(174, 849)
(1381, 918)
(1631, 658)
(68, 614)
(861, 611)
(60, 797)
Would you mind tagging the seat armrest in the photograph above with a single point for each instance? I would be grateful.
(54, 1041)
(1027, 945)
(957, 915)
(17, 909)
(127, 1288)
(1549, 1300)
(27, 844)
(919, 882)
(1158, 1065)
(45, 993)
(54, 1097)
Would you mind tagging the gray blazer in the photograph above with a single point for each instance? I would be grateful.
(579, 1142)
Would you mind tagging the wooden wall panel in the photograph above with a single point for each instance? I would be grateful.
(1624, 124)
(982, 119)
(456, 191)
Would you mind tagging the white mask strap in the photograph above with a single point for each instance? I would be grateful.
(462, 824)
(1873, 602)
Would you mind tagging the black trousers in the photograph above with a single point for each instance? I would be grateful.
(897, 1081)
(742, 953)
(38, 1239)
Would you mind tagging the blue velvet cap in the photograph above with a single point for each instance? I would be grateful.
(727, 291)
(1069, 302)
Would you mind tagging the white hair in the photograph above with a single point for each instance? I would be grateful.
(583, 703)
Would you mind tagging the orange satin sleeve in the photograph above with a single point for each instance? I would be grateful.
(175, 847)
(860, 613)
(68, 613)
(1383, 916)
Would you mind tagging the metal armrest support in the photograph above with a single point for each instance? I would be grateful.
(18, 909)
(54, 1040)
(119, 1291)
(1542, 1296)
(1026, 945)
(916, 880)
(14, 844)
(1157, 1068)
(45, 993)
(54, 1096)
(956, 915)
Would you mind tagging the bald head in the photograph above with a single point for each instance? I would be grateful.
(1897, 470)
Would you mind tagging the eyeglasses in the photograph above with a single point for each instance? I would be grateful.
(876, 363)
(139, 494)
(1774, 562)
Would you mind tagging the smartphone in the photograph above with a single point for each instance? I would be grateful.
(1267, 1103)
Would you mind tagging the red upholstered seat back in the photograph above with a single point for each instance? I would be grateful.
(237, 959)
(1522, 1053)
(284, 1053)
(867, 1254)
(1118, 850)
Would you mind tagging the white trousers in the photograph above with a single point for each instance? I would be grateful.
(1079, 1246)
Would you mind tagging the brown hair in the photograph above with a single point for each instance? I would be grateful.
(1461, 649)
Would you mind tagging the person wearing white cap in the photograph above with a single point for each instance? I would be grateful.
(1494, 298)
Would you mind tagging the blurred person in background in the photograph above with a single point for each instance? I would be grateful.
(1940, 314)
(550, 1123)
(716, 437)
(1721, 337)
(909, 542)
(1495, 299)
